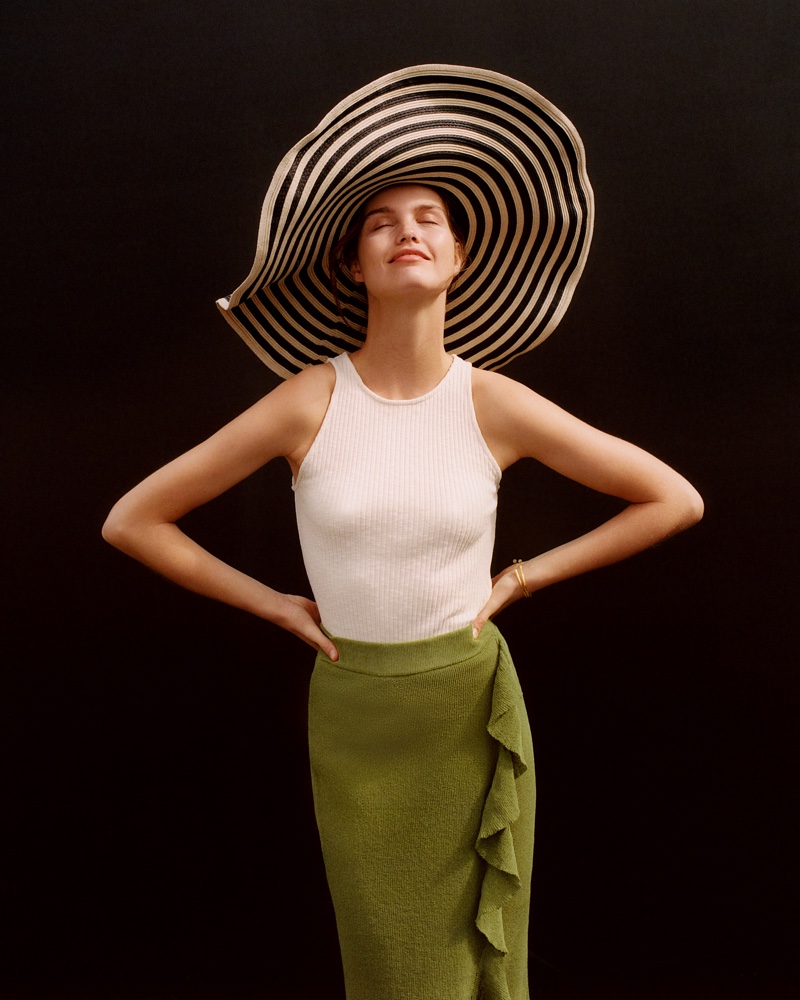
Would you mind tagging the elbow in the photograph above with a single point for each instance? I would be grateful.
(691, 507)
(118, 529)
(697, 507)
(131, 526)
(113, 530)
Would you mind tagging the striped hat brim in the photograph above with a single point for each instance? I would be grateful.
(512, 161)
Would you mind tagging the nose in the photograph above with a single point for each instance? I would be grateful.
(408, 231)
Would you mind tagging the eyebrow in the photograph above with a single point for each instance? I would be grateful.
(385, 210)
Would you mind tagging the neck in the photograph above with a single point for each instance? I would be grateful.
(403, 356)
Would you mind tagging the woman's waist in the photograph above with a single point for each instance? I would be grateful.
(396, 601)
(396, 659)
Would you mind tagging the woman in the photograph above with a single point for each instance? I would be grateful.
(420, 747)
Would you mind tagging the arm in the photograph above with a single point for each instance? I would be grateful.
(143, 523)
(518, 423)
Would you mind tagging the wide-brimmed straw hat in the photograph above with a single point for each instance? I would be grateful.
(503, 153)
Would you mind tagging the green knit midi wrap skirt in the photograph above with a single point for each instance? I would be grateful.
(424, 792)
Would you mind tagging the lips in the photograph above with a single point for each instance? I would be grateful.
(408, 254)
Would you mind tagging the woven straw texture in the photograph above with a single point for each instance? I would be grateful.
(512, 161)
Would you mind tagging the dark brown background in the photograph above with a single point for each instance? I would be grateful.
(158, 831)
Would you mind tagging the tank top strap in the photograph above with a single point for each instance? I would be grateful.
(346, 374)
(460, 382)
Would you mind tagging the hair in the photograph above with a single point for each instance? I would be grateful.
(345, 250)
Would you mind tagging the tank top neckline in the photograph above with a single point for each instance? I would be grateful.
(402, 402)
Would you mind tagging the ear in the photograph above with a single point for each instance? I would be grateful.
(355, 270)
(461, 258)
(458, 267)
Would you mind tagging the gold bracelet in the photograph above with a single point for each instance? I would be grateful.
(521, 577)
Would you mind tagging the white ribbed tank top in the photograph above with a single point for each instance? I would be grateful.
(396, 502)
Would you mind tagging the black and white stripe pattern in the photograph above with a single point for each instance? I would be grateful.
(512, 160)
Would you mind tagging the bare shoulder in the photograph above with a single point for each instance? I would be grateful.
(314, 379)
(300, 402)
(312, 386)
(494, 388)
(298, 406)
(499, 399)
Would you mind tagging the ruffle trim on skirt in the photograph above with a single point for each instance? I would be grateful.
(495, 843)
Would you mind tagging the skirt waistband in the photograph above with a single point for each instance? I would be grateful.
(395, 659)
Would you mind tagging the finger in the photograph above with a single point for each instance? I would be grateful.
(481, 619)
(304, 622)
(320, 641)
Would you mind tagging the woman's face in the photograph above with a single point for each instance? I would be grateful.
(406, 244)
